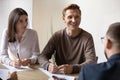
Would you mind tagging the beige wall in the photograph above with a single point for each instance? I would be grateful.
(47, 19)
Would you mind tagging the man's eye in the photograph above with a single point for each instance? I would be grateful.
(69, 17)
(26, 20)
(77, 17)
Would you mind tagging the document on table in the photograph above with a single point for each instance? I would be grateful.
(58, 75)
(2, 66)
(12, 69)
(3, 74)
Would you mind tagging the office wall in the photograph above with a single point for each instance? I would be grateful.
(47, 19)
(6, 6)
(96, 16)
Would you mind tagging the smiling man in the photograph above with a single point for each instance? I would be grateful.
(72, 45)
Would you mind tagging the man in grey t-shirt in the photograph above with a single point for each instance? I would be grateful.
(72, 45)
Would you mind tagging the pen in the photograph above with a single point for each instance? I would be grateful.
(53, 61)
(18, 56)
(57, 78)
(56, 70)
(18, 62)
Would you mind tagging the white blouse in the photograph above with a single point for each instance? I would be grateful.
(27, 48)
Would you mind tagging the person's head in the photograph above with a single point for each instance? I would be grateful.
(72, 16)
(17, 23)
(112, 39)
(13, 76)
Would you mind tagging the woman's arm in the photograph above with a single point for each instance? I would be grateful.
(35, 49)
(4, 48)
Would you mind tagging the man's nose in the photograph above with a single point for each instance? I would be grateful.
(73, 19)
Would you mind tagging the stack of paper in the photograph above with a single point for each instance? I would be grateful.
(66, 77)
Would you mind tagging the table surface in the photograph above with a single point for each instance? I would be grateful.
(34, 74)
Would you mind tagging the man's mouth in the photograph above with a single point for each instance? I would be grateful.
(73, 24)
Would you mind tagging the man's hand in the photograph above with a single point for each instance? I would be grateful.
(53, 68)
(65, 69)
(13, 76)
(25, 62)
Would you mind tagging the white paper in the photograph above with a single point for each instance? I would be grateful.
(4, 73)
(57, 75)
(12, 69)
(2, 66)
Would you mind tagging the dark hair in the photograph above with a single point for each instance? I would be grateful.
(13, 19)
(114, 33)
(70, 6)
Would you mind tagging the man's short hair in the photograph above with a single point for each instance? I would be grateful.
(114, 33)
(71, 6)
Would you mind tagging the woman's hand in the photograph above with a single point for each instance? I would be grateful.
(15, 63)
(25, 62)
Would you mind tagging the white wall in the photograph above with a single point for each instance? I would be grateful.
(6, 6)
(96, 16)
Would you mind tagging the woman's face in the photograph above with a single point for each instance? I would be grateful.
(22, 24)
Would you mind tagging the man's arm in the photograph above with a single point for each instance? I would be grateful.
(89, 58)
(47, 52)
(89, 55)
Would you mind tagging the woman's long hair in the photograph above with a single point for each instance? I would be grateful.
(12, 21)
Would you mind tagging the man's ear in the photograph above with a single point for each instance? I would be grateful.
(63, 17)
(108, 44)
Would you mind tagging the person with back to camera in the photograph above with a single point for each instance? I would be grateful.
(19, 46)
(72, 46)
(109, 70)
(12, 76)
